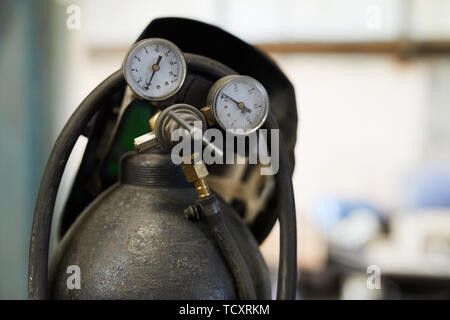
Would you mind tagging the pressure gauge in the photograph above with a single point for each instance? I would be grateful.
(154, 69)
(240, 104)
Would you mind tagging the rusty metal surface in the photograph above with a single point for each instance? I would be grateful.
(134, 242)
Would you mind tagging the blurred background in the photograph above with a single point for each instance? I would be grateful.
(372, 79)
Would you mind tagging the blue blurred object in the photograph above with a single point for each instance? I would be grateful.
(330, 210)
(428, 188)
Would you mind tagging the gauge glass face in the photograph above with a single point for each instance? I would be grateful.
(155, 69)
(241, 105)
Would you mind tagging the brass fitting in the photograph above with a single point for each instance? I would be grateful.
(202, 188)
(196, 173)
(146, 141)
(207, 112)
(152, 120)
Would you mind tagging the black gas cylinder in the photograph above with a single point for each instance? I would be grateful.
(134, 242)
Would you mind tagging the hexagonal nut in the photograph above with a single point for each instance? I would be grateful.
(145, 142)
(193, 172)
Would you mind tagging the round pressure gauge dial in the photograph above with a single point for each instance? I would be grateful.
(154, 69)
(240, 104)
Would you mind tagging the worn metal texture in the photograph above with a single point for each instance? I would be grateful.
(134, 242)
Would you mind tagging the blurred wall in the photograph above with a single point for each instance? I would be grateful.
(25, 125)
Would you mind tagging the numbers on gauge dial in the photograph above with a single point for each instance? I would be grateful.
(156, 70)
(241, 105)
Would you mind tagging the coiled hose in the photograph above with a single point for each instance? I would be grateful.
(287, 270)
(43, 212)
(285, 206)
(210, 208)
(40, 234)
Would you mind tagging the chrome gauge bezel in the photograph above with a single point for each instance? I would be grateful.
(126, 68)
(216, 91)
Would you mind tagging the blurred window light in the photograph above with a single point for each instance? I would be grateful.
(271, 20)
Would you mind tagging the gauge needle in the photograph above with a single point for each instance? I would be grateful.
(240, 105)
(155, 68)
(230, 98)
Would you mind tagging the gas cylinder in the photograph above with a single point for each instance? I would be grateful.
(135, 241)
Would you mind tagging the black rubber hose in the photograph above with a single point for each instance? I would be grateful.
(210, 208)
(287, 267)
(40, 234)
(39, 244)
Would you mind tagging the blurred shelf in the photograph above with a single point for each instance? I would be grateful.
(400, 47)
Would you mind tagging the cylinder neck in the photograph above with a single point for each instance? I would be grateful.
(153, 168)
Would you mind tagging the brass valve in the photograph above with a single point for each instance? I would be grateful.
(197, 173)
(163, 123)
(207, 112)
(148, 140)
